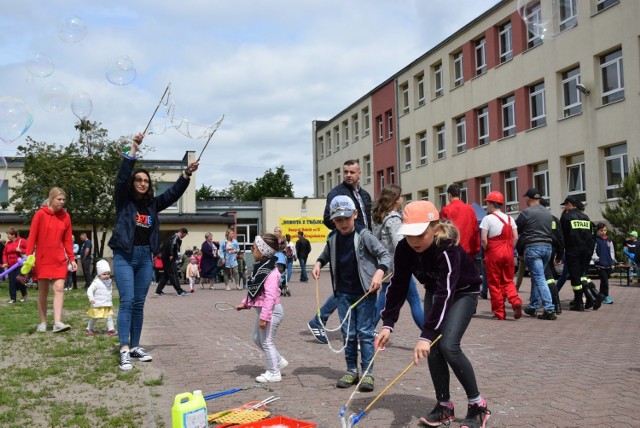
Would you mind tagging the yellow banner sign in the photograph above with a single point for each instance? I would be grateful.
(313, 228)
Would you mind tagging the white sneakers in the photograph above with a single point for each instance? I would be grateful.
(42, 328)
(282, 363)
(269, 376)
(59, 327)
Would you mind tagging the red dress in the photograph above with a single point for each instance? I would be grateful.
(50, 237)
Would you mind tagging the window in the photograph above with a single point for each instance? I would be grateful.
(420, 88)
(4, 191)
(336, 132)
(541, 178)
(407, 198)
(535, 29)
(506, 49)
(576, 185)
(392, 175)
(345, 132)
(508, 116)
(617, 168)
(438, 91)
(481, 56)
(162, 187)
(336, 174)
(365, 119)
(389, 124)
(422, 138)
(329, 180)
(380, 130)
(604, 4)
(463, 191)
(381, 179)
(485, 188)
(536, 105)
(321, 187)
(571, 97)
(458, 71)
(483, 125)
(612, 77)
(442, 195)
(461, 134)
(320, 148)
(568, 14)
(441, 149)
(511, 191)
(366, 160)
(404, 91)
(406, 144)
(327, 137)
(423, 195)
(356, 127)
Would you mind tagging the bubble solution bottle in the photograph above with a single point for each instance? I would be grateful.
(189, 411)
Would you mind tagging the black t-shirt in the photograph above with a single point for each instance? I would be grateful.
(348, 279)
(143, 227)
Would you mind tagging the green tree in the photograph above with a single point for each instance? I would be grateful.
(85, 169)
(271, 184)
(205, 193)
(624, 214)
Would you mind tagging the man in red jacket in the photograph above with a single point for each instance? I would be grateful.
(464, 218)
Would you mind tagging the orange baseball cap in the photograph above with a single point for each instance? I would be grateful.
(416, 217)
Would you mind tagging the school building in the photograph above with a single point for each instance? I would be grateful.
(542, 94)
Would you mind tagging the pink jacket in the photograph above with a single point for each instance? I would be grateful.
(269, 298)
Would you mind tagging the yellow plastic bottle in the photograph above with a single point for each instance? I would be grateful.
(189, 411)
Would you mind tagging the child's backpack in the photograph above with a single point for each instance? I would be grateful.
(288, 252)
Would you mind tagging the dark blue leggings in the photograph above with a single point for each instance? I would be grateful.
(447, 352)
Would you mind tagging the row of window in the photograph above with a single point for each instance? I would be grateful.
(343, 134)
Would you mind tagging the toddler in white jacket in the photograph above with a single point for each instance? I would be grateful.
(100, 297)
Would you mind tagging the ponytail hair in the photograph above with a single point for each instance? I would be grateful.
(445, 230)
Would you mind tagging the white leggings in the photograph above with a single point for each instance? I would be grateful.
(265, 339)
(92, 323)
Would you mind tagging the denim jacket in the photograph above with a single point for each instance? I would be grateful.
(125, 225)
(370, 256)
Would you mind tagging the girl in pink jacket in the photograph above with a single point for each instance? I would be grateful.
(264, 296)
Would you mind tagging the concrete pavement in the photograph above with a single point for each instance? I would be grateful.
(581, 370)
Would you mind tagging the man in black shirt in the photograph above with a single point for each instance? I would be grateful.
(170, 255)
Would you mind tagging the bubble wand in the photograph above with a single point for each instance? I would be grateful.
(156, 110)
(213, 131)
(353, 419)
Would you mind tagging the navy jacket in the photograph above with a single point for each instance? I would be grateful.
(125, 226)
(346, 190)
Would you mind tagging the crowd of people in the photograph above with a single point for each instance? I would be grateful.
(372, 246)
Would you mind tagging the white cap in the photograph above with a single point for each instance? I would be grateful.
(102, 267)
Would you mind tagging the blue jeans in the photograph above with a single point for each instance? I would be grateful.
(133, 273)
(289, 269)
(564, 275)
(328, 308)
(303, 270)
(537, 257)
(360, 329)
(413, 297)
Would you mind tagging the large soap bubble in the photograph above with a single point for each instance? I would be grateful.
(15, 118)
(53, 97)
(121, 71)
(72, 29)
(81, 105)
(40, 65)
(538, 25)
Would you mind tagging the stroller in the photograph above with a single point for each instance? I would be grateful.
(282, 267)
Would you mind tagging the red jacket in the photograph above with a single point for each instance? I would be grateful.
(13, 250)
(50, 237)
(464, 218)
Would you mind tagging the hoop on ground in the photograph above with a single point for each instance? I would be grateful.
(224, 306)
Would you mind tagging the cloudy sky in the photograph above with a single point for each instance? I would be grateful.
(270, 67)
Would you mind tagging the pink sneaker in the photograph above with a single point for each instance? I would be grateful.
(90, 332)
(192, 290)
(112, 332)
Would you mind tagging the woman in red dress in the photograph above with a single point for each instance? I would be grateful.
(50, 237)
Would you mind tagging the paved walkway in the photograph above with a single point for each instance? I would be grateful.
(581, 370)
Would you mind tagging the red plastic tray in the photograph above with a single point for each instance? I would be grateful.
(278, 420)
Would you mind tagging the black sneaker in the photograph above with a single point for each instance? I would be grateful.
(439, 415)
(547, 315)
(349, 379)
(477, 416)
(318, 332)
(162, 293)
(530, 311)
(139, 354)
(125, 361)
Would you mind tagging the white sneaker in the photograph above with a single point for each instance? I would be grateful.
(268, 377)
(283, 363)
(59, 327)
(125, 361)
(139, 354)
(42, 328)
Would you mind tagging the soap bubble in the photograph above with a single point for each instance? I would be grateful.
(15, 118)
(72, 29)
(40, 65)
(81, 105)
(538, 25)
(121, 71)
(53, 97)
